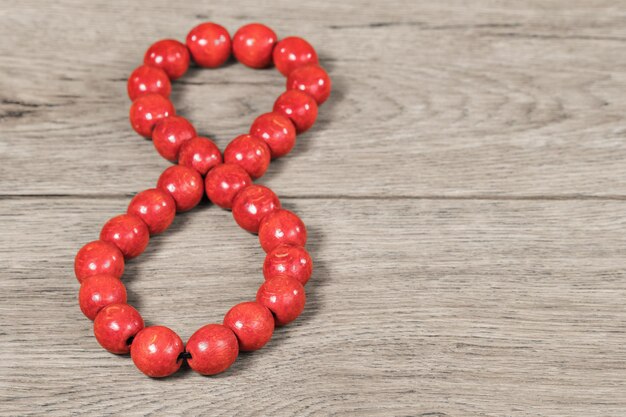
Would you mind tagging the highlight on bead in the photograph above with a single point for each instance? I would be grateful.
(200, 169)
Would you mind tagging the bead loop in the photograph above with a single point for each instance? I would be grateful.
(227, 181)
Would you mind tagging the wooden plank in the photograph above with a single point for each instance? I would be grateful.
(493, 99)
(417, 307)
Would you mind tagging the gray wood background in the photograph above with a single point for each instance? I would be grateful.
(464, 190)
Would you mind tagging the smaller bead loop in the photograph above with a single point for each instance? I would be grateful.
(227, 181)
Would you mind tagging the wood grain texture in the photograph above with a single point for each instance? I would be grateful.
(522, 99)
(440, 308)
(463, 191)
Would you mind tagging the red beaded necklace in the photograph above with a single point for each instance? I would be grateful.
(156, 350)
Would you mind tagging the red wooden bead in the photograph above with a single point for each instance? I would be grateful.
(147, 110)
(213, 348)
(310, 79)
(169, 55)
(156, 351)
(293, 52)
(97, 258)
(155, 207)
(293, 261)
(129, 233)
(253, 45)
(115, 325)
(145, 80)
(98, 291)
(250, 153)
(284, 296)
(209, 44)
(200, 154)
(252, 323)
(184, 184)
(170, 134)
(299, 107)
(223, 182)
(281, 227)
(277, 131)
(252, 204)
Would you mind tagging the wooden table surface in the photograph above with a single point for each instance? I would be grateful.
(464, 191)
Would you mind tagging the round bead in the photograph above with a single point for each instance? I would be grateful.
(209, 44)
(169, 55)
(293, 261)
(170, 134)
(184, 185)
(253, 45)
(115, 325)
(252, 323)
(293, 52)
(98, 291)
(147, 110)
(299, 107)
(277, 131)
(252, 204)
(281, 227)
(310, 79)
(156, 351)
(129, 233)
(284, 296)
(145, 80)
(213, 348)
(250, 153)
(155, 207)
(223, 182)
(97, 258)
(200, 154)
